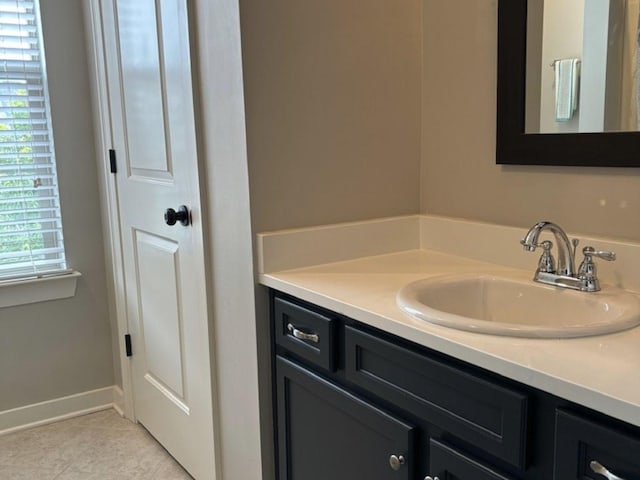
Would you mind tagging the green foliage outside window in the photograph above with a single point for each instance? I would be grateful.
(18, 196)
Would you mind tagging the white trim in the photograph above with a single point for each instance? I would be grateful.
(217, 58)
(108, 191)
(43, 413)
(40, 289)
(118, 400)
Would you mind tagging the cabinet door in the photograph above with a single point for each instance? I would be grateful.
(581, 441)
(325, 432)
(447, 463)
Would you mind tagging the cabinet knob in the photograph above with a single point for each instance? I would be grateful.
(396, 461)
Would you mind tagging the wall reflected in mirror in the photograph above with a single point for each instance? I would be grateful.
(583, 70)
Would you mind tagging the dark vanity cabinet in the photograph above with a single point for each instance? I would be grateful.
(329, 433)
(352, 402)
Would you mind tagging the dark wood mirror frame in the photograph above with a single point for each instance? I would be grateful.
(514, 147)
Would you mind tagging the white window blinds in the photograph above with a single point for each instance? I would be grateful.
(30, 223)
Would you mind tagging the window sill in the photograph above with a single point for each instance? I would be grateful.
(33, 290)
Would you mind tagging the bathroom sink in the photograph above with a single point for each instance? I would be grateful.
(522, 308)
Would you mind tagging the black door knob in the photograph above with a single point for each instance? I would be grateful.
(182, 216)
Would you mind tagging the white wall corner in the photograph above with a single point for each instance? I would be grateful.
(118, 400)
(225, 180)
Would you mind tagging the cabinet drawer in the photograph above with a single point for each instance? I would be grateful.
(327, 433)
(305, 333)
(579, 441)
(446, 462)
(474, 410)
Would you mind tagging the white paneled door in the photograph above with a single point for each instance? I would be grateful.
(153, 127)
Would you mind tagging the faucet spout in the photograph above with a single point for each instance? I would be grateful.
(566, 262)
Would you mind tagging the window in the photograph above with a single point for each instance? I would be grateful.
(31, 241)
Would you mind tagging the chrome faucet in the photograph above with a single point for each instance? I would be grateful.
(564, 274)
(566, 250)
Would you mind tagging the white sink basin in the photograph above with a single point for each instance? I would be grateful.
(503, 306)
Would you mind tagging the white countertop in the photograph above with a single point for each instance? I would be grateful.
(601, 372)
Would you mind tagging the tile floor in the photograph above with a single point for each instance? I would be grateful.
(100, 446)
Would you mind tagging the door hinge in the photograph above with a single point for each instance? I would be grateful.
(127, 345)
(112, 161)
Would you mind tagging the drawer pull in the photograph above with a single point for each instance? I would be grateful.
(598, 468)
(396, 462)
(429, 477)
(299, 334)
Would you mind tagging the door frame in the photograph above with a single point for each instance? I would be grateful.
(109, 200)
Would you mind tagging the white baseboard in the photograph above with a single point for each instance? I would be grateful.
(62, 408)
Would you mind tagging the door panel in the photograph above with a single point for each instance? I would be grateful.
(159, 311)
(142, 87)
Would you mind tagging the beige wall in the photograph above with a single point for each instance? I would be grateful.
(333, 109)
(332, 100)
(629, 104)
(58, 348)
(459, 176)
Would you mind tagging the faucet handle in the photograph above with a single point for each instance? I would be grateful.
(588, 272)
(590, 252)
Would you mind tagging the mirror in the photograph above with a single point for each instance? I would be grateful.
(567, 95)
(581, 66)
